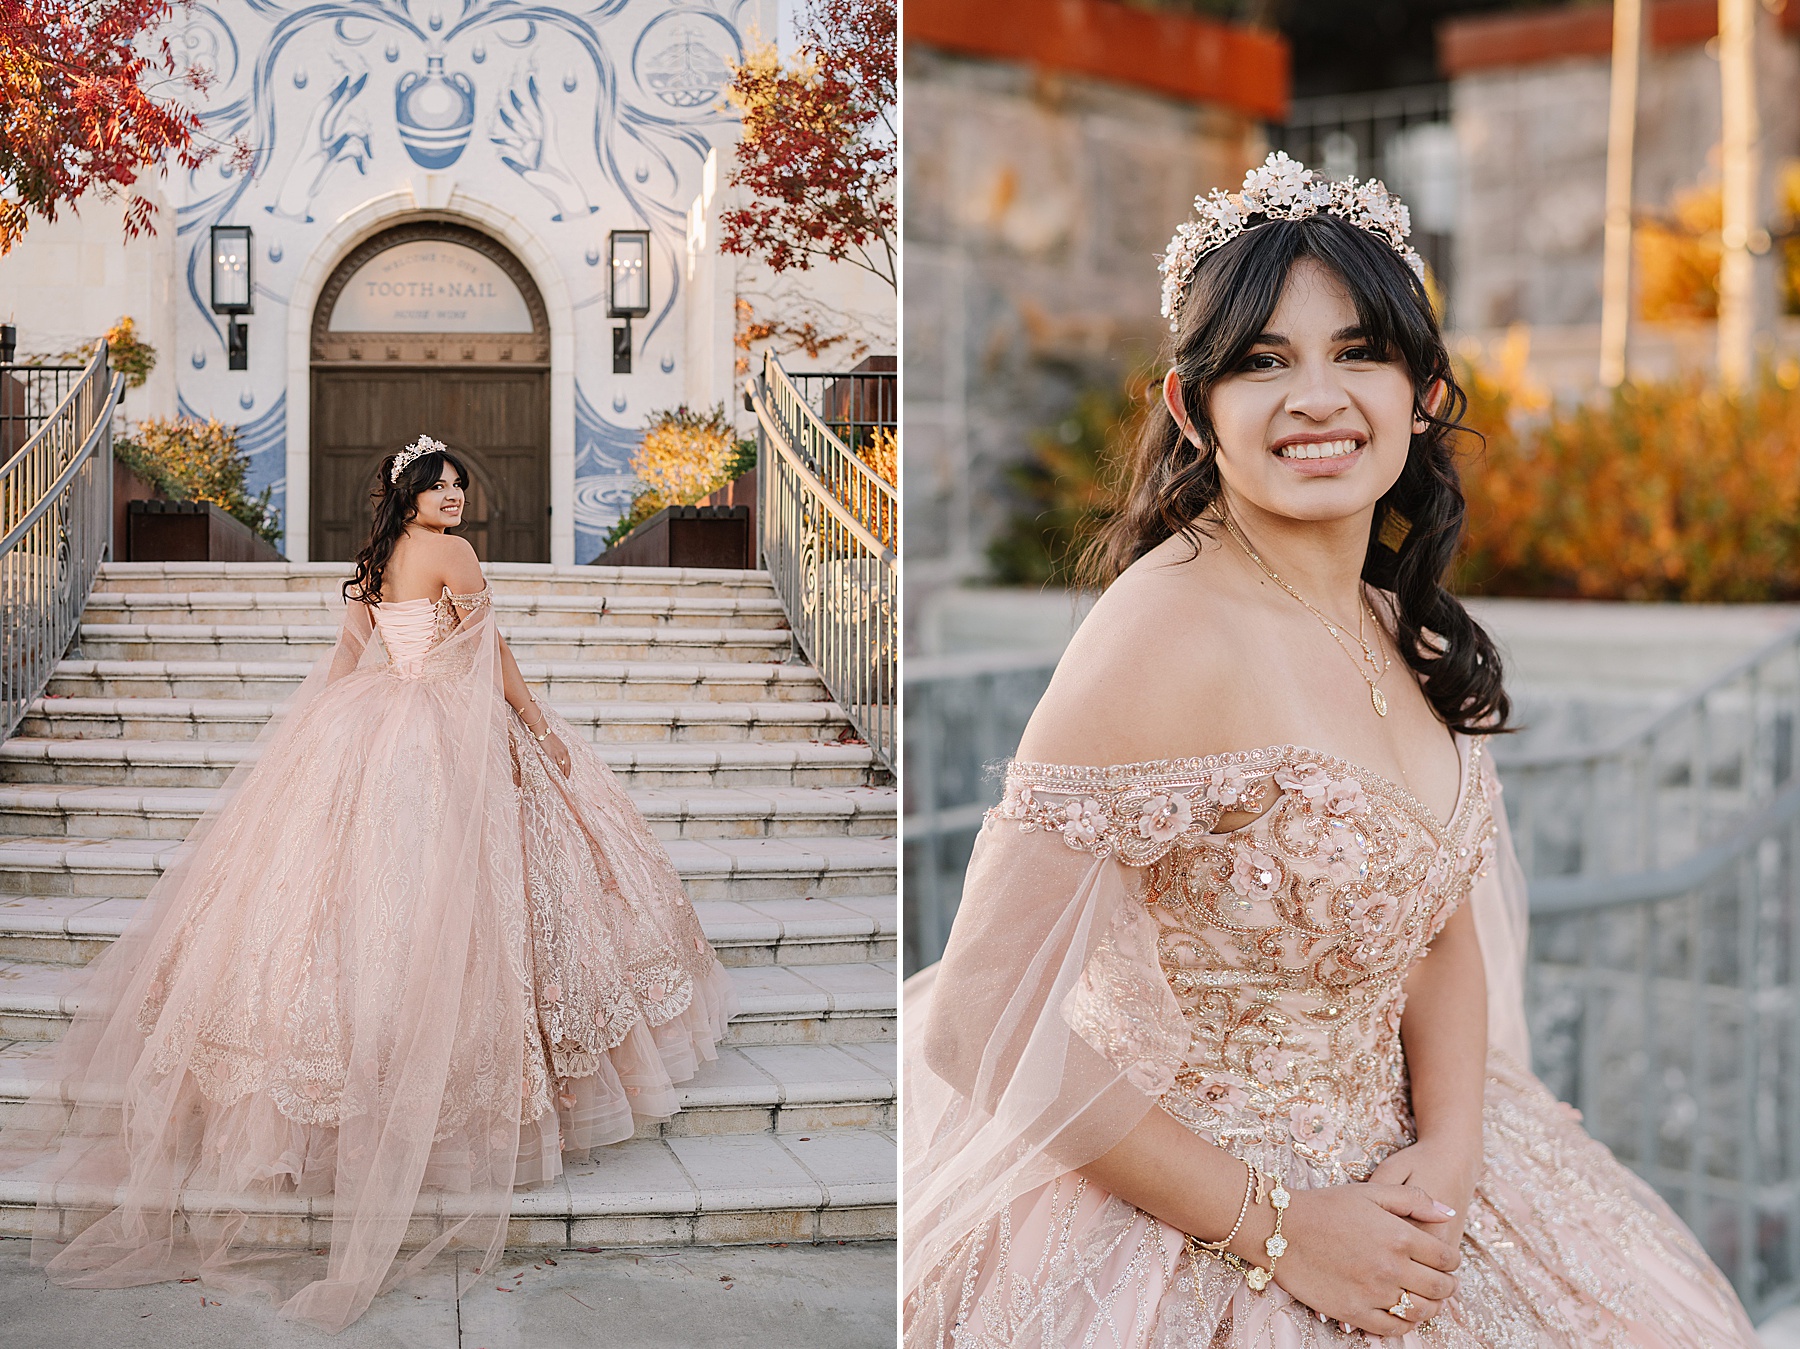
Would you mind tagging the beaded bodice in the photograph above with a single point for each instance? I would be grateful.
(1286, 941)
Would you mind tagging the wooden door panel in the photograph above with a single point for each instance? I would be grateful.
(504, 417)
(497, 421)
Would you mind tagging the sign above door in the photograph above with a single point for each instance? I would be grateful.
(430, 293)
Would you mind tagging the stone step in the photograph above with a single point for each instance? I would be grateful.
(526, 612)
(825, 1185)
(572, 680)
(309, 641)
(51, 810)
(73, 929)
(506, 579)
(720, 868)
(613, 722)
(178, 763)
(850, 1003)
(746, 1090)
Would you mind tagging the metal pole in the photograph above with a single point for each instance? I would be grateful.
(1621, 135)
(1741, 236)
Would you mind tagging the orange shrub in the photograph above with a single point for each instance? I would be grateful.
(1667, 491)
(1678, 254)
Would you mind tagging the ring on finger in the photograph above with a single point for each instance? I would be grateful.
(1403, 1308)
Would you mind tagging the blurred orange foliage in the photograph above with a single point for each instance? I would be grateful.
(1678, 256)
(1666, 491)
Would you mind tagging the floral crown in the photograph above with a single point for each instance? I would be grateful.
(423, 445)
(1281, 189)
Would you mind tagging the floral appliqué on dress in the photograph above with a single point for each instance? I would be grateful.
(1286, 942)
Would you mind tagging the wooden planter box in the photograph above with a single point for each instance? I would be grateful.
(687, 536)
(191, 531)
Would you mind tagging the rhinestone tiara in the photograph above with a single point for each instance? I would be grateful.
(423, 445)
(1280, 189)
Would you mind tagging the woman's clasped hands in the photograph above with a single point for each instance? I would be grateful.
(1357, 1252)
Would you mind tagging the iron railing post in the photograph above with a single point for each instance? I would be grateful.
(55, 519)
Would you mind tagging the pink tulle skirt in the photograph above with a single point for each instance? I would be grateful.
(1563, 1247)
(403, 964)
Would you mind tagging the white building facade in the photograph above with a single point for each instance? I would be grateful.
(434, 190)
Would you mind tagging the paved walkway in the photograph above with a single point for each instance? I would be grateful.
(832, 1297)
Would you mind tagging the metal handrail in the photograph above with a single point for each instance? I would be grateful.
(1665, 1006)
(1667, 788)
(29, 396)
(963, 712)
(828, 532)
(55, 530)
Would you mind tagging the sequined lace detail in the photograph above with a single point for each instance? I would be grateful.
(1563, 1247)
(1286, 941)
(594, 973)
(602, 941)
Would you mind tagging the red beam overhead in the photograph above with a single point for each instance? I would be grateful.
(1488, 41)
(1188, 58)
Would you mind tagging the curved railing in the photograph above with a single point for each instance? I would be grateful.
(828, 533)
(1662, 791)
(1665, 1006)
(55, 530)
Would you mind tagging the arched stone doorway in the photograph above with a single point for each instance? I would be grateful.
(432, 327)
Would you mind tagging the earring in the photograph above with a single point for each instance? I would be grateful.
(1394, 529)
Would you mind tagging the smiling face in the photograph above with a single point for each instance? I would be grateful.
(1315, 422)
(440, 506)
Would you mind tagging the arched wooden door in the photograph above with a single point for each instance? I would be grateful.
(433, 328)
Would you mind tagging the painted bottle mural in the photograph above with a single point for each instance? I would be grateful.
(436, 113)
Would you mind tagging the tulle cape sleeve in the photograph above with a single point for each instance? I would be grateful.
(166, 1144)
(1045, 1034)
(1500, 902)
(1048, 1030)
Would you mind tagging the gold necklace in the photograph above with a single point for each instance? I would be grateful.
(1376, 696)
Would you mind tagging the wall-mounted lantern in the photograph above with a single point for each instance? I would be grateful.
(628, 298)
(231, 289)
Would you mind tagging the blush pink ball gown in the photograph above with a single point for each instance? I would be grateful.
(1112, 954)
(403, 963)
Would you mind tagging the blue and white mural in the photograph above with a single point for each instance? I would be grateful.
(574, 120)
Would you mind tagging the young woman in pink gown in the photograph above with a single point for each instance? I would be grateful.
(1227, 1049)
(420, 949)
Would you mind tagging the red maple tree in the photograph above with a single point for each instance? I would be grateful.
(79, 110)
(818, 150)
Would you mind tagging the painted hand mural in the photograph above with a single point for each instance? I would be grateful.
(335, 134)
(525, 131)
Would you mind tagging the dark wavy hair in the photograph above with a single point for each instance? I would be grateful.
(1168, 485)
(396, 503)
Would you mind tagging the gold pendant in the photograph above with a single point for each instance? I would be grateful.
(1376, 697)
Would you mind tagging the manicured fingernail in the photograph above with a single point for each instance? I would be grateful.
(1444, 1209)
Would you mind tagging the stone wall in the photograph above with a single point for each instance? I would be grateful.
(1533, 139)
(1036, 208)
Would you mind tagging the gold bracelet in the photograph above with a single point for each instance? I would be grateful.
(1255, 1275)
(1194, 1242)
(528, 731)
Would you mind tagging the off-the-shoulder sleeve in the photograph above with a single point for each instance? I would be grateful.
(1041, 1039)
(466, 604)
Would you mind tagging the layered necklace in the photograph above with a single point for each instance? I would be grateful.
(1379, 663)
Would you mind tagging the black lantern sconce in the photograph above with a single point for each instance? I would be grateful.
(231, 289)
(628, 295)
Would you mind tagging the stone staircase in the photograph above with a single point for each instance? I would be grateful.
(782, 824)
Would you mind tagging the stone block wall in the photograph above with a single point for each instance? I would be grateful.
(1532, 132)
(1037, 205)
